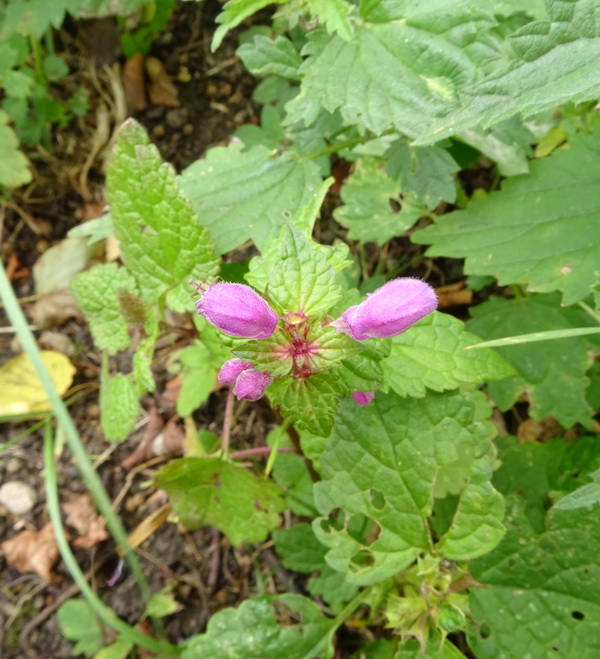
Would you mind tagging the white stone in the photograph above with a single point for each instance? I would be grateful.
(18, 497)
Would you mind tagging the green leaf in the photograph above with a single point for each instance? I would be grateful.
(55, 67)
(303, 280)
(584, 497)
(381, 464)
(247, 194)
(303, 633)
(119, 406)
(142, 359)
(265, 56)
(373, 208)
(434, 58)
(432, 355)
(95, 230)
(14, 170)
(363, 372)
(270, 354)
(541, 591)
(119, 649)
(302, 552)
(310, 402)
(98, 293)
(260, 267)
(17, 84)
(540, 229)
(214, 492)
(78, 622)
(427, 173)
(556, 62)
(161, 604)
(553, 372)
(162, 243)
(291, 474)
(234, 12)
(333, 14)
(198, 377)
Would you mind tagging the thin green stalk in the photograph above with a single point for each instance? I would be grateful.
(38, 63)
(517, 292)
(88, 473)
(349, 609)
(334, 148)
(106, 614)
(275, 450)
(594, 314)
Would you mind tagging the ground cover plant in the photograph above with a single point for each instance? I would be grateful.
(434, 475)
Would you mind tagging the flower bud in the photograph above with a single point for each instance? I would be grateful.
(251, 384)
(237, 310)
(231, 369)
(388, 311)
(363, 398)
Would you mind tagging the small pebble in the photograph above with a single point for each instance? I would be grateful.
(93, 411)
(14, 465)
(18, 497)
(158, 130)
(176, 118)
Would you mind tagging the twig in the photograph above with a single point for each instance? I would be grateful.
(258, 450)
(215, 562)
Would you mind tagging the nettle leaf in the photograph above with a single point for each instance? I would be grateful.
(363, 371)
(251, 194)
(264, 56)
(97, 293)
(260, 267)
(198, 377)
(234, 12)
(14, 170)
(333, 347)
(302, 552)
(556, 63)
(432, 355)
(270, 354)
(437, 648)
(433, 58)
(583, 497)
(541, 229)
(381, 464)
(214, 492)
(541, 592)
(161, 241)
(552, 372)
(119, 406)
(425, 172)
(310, 402)
(373, 207)
(303, 280)
(333, 14)
(288, 626)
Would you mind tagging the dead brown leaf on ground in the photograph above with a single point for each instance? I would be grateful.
(134, 85)
(33, 551)
(162, 90)
(453, 295)
(83, 517)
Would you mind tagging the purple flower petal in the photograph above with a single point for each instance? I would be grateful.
(237, 310)
(388, 311)
(231, 369)
(363, 398)
(251, 384)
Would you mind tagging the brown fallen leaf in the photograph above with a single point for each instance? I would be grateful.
(83, 517)
(132, 78)
(33, 551)
(162, 91)
(453, 295)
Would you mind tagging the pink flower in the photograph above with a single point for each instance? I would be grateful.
(247, 382)
(237, 310)
(389, 310)
(251, 384)
(363, 398)
(231, 369)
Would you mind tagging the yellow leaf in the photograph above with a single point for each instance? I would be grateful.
(20, 389)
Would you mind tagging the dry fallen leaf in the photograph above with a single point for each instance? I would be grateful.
(453, 295)
(33, 551)
(132, 77)
(162, 91)
(20, 389)
(82, 516)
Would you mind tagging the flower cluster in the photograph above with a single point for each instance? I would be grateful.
(240, 311)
